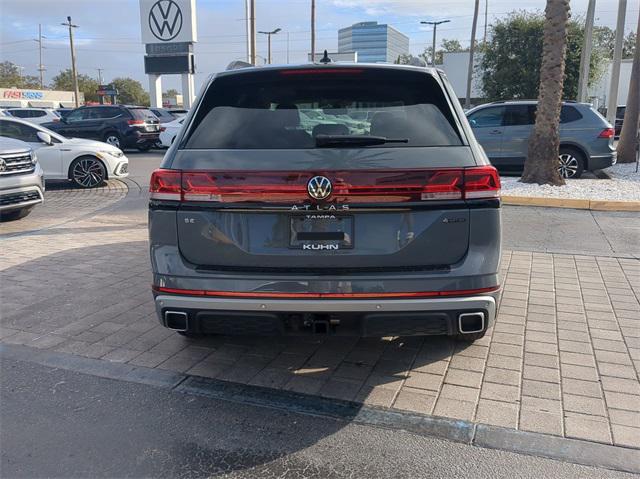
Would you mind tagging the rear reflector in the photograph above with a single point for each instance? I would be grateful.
(348, 187)
(277, 295)
(607, 133)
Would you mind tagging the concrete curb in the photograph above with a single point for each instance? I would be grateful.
(534, 444)
(594, 205)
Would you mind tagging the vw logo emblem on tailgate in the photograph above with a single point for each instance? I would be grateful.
(165, 20)
(319, 187)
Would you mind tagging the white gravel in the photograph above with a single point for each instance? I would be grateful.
(624, 186)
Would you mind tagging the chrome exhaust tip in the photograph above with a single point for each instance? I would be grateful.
(176, 320)
(469, 323)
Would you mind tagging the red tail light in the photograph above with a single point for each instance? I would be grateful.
(135, 122)
(481, 182)
(348, 187)
(165, 185)
(607, 133)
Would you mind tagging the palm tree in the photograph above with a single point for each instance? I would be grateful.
(542, 160)
(629, 134)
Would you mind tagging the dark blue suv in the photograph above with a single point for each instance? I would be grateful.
(119, 125)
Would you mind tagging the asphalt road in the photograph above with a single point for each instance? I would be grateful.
(57, 423)
(553, 230)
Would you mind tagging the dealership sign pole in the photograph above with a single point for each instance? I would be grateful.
(169, 32)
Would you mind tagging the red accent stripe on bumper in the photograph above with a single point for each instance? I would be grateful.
(275, 295)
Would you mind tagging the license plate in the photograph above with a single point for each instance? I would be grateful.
(152, 128)
(321, 232)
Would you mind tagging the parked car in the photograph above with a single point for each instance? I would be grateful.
(258, 225)
(163, 115)
(35, 115)
(503, 130)
(86, 163)
(619, 119)
(63, 112)
(119, 125)
(178, 112)
(169, 132)
(21, 180)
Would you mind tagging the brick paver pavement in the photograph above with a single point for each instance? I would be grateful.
(563, 357)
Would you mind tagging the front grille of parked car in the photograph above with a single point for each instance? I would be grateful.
(18, 198)
(17, 163)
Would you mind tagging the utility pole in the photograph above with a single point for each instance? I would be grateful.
(313, 30)
(287, 48)
(486, 15)
(74, 72)
(100, 70)
(612, 104)
(435, 28)
(467, 101)
(585, 57)
(268, 34)
(252, 31)
(41, 68)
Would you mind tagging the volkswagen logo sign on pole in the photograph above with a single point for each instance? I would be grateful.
(165, 20)
(319, 187)
(168, 29)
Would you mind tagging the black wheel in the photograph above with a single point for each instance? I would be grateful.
(15, 214)
(570, 162)
(471, 336)
(113, 138)
(144, 147)
(87, 172)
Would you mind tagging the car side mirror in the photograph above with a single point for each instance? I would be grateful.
(473, 123)
(44, 138)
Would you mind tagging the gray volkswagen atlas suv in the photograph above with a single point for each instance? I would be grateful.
(384, 226)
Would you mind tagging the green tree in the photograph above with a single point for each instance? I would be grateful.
(130, 91)
(447, 46)
(604, 39)
(512, 57)
(10, 77)
(86, 84)
(171, 92)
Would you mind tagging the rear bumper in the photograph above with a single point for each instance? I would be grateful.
(600, 162)
(371, 317)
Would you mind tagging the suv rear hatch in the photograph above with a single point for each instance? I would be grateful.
(381, 180)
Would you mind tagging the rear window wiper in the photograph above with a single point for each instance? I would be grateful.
(355, 140)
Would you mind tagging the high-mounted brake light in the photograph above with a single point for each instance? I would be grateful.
(166, 185)
(322, 71)
(607, 133)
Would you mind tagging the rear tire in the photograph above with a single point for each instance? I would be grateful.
(471, 336)
(144, 147)
(15, 214)
(571, 163)
(113, 138)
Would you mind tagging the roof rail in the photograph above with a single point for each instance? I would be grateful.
(237, 64)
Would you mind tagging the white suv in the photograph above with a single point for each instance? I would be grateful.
(21, 179)
(34, 115)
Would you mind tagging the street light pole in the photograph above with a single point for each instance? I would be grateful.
(313, 30)
(74, 72)
(41, 67)
(612, 104)
(268, 34)
(252, 31)
(435, 28)
(585, 57)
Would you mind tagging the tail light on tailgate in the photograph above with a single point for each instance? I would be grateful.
(353, 186)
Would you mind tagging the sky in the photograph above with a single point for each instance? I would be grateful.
(108, 36)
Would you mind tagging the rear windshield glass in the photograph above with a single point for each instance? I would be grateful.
(288, 109)
(142, 114)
